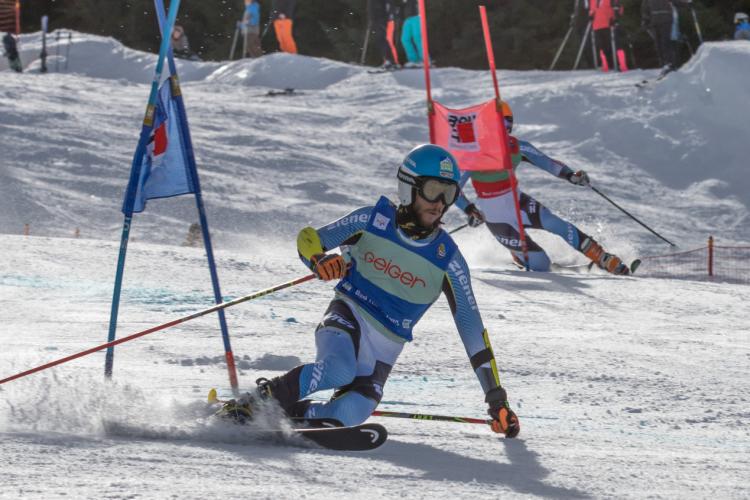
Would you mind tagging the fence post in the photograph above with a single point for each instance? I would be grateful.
(711, 256)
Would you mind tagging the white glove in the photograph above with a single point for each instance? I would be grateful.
(580, 178)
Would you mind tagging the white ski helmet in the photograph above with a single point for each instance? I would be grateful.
(741, 17)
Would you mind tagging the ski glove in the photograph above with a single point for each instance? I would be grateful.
(504, 420)
(476, 217)
(580, 178)
(328, 267)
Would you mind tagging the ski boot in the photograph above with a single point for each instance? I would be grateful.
(607, 261)
(239, 410)
(242, 409)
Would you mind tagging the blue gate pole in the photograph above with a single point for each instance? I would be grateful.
(135, 172)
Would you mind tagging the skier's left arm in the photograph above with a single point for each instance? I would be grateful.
(474, 215)
(476, 340)
(555, 167)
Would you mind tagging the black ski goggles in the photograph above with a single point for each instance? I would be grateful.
(433, 189)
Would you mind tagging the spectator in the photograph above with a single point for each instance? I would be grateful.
(180, 44)
(411, 34)
(283, 15)
(251, 29)
(742, 26)
(382, 16)
(604, 15)
(661, 20)
(11, 52)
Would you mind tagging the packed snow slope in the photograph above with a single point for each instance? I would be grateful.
(625, 387)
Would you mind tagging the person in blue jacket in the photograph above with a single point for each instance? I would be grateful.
(742, 26)
(395, 263)
(251, 28)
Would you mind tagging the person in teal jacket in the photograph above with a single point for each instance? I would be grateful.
(411, 34)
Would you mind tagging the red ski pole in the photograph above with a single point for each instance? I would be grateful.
(163, 326)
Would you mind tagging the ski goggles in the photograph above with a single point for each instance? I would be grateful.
(432, 190)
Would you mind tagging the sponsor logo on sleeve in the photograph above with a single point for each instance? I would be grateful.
(463, 280)
(351, 219)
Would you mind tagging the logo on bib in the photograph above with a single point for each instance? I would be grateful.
(381, 221)
(441, 250)
(393, 271)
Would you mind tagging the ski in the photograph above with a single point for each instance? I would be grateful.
(647, 83)
(363, 437)
(327, 433)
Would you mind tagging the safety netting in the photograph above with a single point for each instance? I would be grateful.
(720, 263)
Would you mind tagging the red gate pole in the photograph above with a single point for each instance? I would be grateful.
(711, 256)
(504, 134)
(426, 64)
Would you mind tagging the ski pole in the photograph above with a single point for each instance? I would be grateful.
(629, 215)
(423, 416)
(234, 41)
(163, 326)
(582, 46)
(457, 229)
(697, 25)
(573, 18)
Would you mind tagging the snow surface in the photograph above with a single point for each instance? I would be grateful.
(625, 387)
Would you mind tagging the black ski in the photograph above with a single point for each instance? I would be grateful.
(357, 438)
(634, 265)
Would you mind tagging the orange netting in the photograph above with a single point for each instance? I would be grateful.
(8, 13)
(710, 263)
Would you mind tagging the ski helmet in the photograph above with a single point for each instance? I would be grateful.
(740, 17)
(507, 116)
(425, 162)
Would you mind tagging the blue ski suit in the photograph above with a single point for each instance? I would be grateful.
(392, 281)
(495, 200)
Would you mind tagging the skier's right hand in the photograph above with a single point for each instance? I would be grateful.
(328, 266)
(580, 178)
(476, 217)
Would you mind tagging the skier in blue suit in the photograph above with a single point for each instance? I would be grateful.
(395, 263)
(495, 205)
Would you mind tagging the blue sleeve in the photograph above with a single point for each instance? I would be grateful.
(462, 202)
(335, 233)
(469, 323)
(254, 9)
(539, 159)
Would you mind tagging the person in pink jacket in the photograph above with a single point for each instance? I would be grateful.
(604, 16)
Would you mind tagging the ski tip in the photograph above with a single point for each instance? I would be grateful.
(212, 397)
(634, 265)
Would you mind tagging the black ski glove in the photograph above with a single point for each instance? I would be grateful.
(476, 217)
